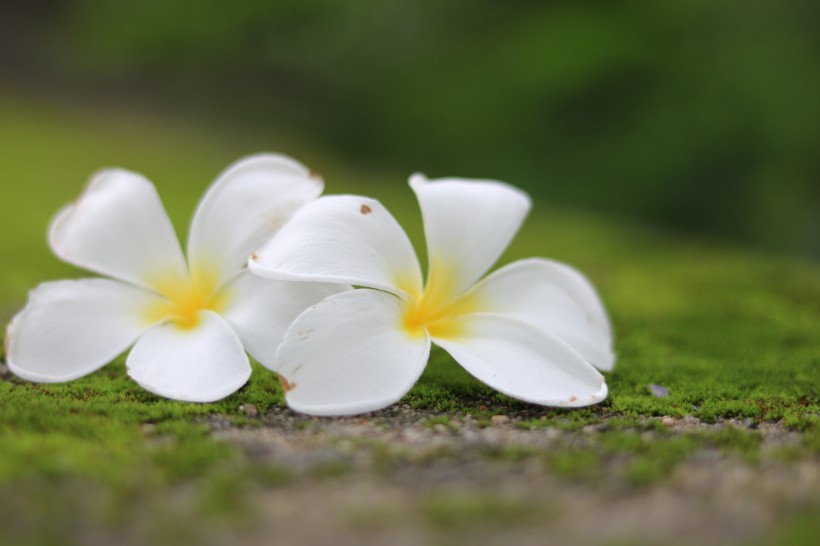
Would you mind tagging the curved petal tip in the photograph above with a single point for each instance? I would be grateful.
(417, 179)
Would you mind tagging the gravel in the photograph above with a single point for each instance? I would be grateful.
(392, 469)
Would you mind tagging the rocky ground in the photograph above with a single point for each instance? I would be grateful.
(410, 477)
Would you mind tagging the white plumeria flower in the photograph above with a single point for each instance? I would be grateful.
(190, 321)
(532, 330)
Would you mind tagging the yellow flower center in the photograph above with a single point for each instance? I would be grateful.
(435, 308)
(185, 298)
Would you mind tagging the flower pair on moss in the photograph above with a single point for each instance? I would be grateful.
(534, 330)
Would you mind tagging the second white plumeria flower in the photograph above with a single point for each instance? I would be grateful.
(532, 330)
(193, 320)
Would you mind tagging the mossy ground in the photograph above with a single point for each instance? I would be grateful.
(730, 332)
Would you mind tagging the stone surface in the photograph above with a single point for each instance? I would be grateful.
(404, 477)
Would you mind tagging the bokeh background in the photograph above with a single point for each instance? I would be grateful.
(672, 151)
(693, 116)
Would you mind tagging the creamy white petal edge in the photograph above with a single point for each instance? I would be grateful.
(119, 228)
(467, 224)
(350, 355)
(555, 297)
(200, 364)
(260, 310)
(342, 239)
(524, 361)
(244, 207)
(71, 328)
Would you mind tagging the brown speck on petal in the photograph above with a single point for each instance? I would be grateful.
(286, 384)
(365, 210)
(315, 176)
(254, 257)
(573, 398)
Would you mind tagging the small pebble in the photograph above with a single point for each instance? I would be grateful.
(249, 410)
(552, 433)
(668, 421)
(658, 391)
(499, 419)
(690, 421)
(600, 427)
(149, 429)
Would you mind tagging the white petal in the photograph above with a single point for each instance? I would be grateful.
(342, 239)
(70, 328)
(200, 364)
(468, 224)
(523, 361)
(118, 227)
(260, 310)
(349, 355)
(552, 296)
(242, 210)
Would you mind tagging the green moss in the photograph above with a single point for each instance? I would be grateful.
(567, 420)
(812, 441)
(430, 422)
(575, 463)
(384, 458)
(730, 333)
(634, 452)
(799, 529)
(656, 460)
(513, 453)
(456, 511)
(733, 441)
(330, 469)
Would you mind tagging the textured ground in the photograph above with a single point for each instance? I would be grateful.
(423, 477)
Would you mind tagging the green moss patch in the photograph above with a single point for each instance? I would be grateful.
(732, 334)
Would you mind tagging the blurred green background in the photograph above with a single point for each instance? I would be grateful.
(671, 150)
(694, 115)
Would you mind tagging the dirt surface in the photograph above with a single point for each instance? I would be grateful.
(408, 477)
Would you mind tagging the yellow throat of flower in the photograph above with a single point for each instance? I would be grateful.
(435, 308)
(185, 298)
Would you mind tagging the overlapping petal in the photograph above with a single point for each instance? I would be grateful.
(552, 296)
(119, 228)
(261, 310)
(342, 239)
(523, 361)
(244, 207)
(71, 328)
(467, 224)
(349, 355)
(203, 363)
